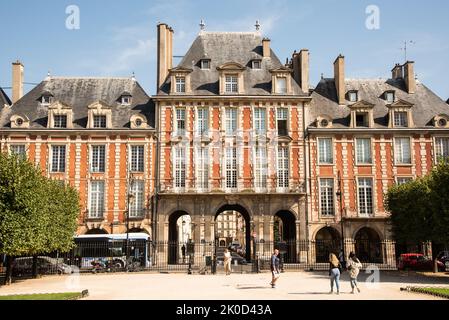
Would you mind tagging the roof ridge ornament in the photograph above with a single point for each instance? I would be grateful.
(202, 25)
(257, 25)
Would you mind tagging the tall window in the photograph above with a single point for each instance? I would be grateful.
(99, 121)
(180, 122)
(180, 167)
(282, 117)
(203, 121)
(202, 168)
(96, 207)
(231, 168)
(232, 84)
(365, 193)
(361, 120)
(353, 96)
(60, 121)
(283, 167)
(281, 85)
(389, 96)
(402, 151)
(441, 148)
(261, 167)
(137, 158)
(260, 121)
(98, 155)
(363, 150)
(58, 159)
(400, 119)
(325, 153)
(136, 206)
(231, 121)
(180, 84)
(18, 150)
(327, 197)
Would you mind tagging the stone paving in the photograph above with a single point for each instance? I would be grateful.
(291, 286)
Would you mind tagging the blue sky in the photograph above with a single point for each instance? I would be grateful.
(117, 38)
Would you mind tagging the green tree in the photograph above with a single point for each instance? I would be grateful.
(37, 215)
(439, 202)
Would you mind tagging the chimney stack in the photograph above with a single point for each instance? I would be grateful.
(300, 65)
(164, 52)
(17, 81)
(396, 73)
(409, 77)
(266, 47)
(339, 78)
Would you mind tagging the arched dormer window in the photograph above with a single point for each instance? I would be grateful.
(99, 116)
(400, 115)
(362, 114)
(138, 121)
(441, 121)
(324, 121)
(60, 116)
(231, 78)
(19, 122)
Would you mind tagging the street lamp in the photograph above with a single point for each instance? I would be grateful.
(340, 197)
(131, 198)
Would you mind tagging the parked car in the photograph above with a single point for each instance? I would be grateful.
(417, 261)
(237, 248)
(45, 265)
(443, 257)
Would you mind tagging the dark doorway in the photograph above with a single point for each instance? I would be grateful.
(246, 229)
(177, 237)
(368, 246)
(327, 241)
(285, 236)
(96, 231)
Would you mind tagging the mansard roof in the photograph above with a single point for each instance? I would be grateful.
(223, 48)
(424, 103)
(78, 94)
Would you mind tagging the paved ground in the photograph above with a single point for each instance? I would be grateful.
(291, 286)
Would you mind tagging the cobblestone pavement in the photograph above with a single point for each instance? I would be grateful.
(291, 286)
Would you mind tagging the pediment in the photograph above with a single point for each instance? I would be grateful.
(99, 105)
(234, 66)
(362, 104)
(59, 105)
(401, 103)
(281, 69)
(180, 69)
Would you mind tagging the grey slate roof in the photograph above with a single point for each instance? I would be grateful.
(427, 104)
(224, 47)
(79, 93)
(4, 99)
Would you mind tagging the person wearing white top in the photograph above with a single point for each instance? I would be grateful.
(227, 262)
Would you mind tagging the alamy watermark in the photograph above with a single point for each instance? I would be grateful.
(73, 20)
(372, 22)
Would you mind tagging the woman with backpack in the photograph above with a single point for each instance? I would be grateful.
(354, 266)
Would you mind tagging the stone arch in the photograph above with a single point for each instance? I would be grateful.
(368, 245)
(373, 227)
(174, 245)
(327, 240)
(95, 231)
(285, 227)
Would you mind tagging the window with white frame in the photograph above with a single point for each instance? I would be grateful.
(283, 167)
(96, 196)
(403, 180)
(180, 84)
(18, 150)
(261, 167)
(325, 154)
(400, 119)
(363, 151)
(441, 148)
(137, 158)
(281, 85)
(137, 204)
(260, 126)
(205, 64)
(231, 84)
(60, 121)
(98, 158)
(389, 96)
(202, 168)
(353, 96)
(202, 121)
(45, 100)
(180, 121)
(231, 121)
(100, 121)
(257, 64)
(402, 151)
(180, 167)
(58, 158)
(231, 168)
(365, 195)
(126, 100)
(327, 197)
(282, 121)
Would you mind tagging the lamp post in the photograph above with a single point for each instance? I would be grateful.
(131, 198)
(340, 198)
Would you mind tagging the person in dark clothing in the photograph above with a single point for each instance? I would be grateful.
(275, 272)
(183, 251)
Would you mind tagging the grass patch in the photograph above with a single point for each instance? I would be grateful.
(49, 296)
(434, 291)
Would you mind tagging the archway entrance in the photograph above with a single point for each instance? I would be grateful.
(96, 231)
(327, 241)
(285, 235)
(368, 246)
(233, 229)
(179, 236)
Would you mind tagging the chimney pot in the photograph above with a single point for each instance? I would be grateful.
(266, 47)
(301, 68)
(409, 77)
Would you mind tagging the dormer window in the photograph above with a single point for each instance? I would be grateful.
(19, 122)
(180, 84)
(353, 96)
(441, 121)
(362, 114)
(180, 80)
(60, 121)
(205, 64)
(232, 84)
(126, 100)
(257, 64)
(231, 79)
(390, 96)
(100, 122)
(400, 114)
(400, 119)
(281, 85)
(45, 100)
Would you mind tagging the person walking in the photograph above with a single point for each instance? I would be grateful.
(354, 266)
(275, 272)
(334, 272)
(227, 262)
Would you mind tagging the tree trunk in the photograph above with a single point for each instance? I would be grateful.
(9, 265)
(34, 268)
